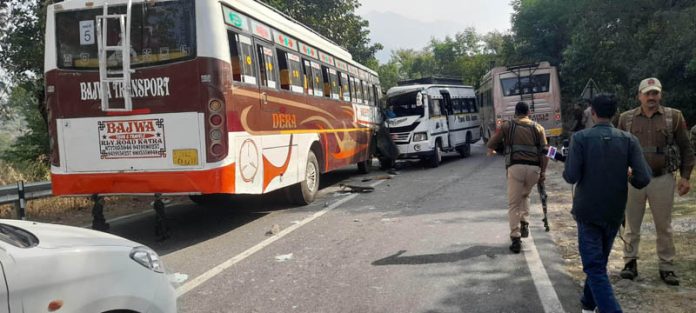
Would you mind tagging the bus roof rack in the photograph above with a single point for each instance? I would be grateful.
(530, 65)
(432, 80)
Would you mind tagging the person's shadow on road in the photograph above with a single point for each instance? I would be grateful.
(468, 253)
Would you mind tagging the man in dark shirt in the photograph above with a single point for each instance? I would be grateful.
(598, 162)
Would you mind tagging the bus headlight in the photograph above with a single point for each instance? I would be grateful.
(420, 137)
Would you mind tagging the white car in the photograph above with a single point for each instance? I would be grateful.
(55, 268)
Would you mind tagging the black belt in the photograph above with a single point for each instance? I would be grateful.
(525, 162)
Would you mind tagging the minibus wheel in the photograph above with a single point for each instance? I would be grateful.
(436, 158)
(465, 150)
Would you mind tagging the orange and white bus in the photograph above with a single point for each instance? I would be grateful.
(536, 84)
(199, 97)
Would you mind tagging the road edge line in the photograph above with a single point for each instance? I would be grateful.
(545, 290)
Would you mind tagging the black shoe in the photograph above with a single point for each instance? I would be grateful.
(630, 271)
(669, 278)
(516, 245)
(524, 229)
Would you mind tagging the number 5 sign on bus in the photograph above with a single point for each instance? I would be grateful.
(86, 33)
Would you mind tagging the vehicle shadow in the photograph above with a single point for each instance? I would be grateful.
(190, 223)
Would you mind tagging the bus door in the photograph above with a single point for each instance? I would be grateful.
(437, 123)
(450, 118)
(268, 74)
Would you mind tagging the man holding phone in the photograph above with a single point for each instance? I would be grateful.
(597, 162)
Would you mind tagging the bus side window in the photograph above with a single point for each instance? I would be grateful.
(333, 76)
(353, 90)
(267, 67)
(472, 105)
(290, 78)
(369, 94)
(307, 79)
(457, 105)
(328, 81)
(363, 90)
(241, 58)
(345, 87)
(318, 80)
(435, 107)
(283, 70)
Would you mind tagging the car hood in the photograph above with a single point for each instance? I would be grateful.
(53, 236)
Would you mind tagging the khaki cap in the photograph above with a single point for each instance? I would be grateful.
(649, 84)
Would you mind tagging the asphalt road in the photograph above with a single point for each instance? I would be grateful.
(428, 240)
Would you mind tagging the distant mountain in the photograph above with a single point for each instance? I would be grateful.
(395, 31)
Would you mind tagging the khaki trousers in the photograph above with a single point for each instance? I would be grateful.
(520, 180)
(660, 195)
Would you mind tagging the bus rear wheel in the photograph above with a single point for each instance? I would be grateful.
(305, 192)
(465, 150)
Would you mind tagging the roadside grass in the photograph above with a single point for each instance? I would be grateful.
(647, 293)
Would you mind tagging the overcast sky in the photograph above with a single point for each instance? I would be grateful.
(412, 23)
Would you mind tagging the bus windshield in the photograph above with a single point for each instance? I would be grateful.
(525, 85)
(161, 32)
(405, 105)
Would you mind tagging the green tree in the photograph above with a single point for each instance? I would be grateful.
(31, 149)
(336, 20)
(21, 63)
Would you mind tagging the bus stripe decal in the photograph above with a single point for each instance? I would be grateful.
(271, 171)
(296, 104)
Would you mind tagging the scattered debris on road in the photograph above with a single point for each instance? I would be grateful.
(178, 278)
(283, 257)
(355, 189)
(275, 229)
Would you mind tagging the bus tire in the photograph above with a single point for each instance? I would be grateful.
(436, 158)
(364, 166)
(305, 192)
(465, 150)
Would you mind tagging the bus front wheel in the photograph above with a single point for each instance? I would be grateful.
(305, 192)
(436, 158)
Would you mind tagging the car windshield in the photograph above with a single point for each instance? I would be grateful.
(17, 237)
(525, 85)
(161, 32)
(404, 105)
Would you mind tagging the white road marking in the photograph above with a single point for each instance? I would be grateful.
(192, 284)
(547, 294)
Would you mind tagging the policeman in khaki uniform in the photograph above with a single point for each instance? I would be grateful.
(664, 137)
(524, 141)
